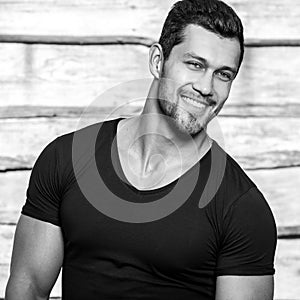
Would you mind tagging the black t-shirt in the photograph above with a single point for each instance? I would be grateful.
(178, 256)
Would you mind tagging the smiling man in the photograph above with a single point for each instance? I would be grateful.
(216, 242)
(205, 65)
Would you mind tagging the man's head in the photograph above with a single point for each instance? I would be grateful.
(212, 15)
(196, 60)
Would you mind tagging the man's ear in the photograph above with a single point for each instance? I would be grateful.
(156, 60)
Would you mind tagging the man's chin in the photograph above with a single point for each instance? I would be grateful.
(191, 128)
(184, 121)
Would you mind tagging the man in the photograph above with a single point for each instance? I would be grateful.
(222, 248)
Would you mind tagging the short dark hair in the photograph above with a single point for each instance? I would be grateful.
(212, 15)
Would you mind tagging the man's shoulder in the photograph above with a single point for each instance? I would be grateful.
(84, 134)
(236, 188)
(236, 171)
(75, 148)
(228, 166)
(235, 181)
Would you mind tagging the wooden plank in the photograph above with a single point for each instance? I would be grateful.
(39, 132)
(255, 142)
(262, 142)
(136, 17)
(287, 265)
(279, 186)
(265, 78)
(76, 75)
(13, 185)
(12, 111)
(281, 189)
(68, 75)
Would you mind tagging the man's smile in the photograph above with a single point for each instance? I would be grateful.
(194, 102)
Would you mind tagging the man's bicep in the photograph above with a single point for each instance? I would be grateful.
(37, 254)
(245, 265)
(245, 287)
(249, 240)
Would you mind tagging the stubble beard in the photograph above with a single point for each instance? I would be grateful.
(184, 121)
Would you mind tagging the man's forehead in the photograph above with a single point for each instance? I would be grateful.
(206, 44)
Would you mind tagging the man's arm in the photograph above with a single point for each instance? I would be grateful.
(36, 260)
(246, 259)
(245, 287)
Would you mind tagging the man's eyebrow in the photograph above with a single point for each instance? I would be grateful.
(195, 56)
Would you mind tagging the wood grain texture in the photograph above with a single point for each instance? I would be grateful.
(262, 142)
(68, 75)
(61, 80)
(136, 17)
(54, 75)
(279, 186)
(13, 185)
(287, 265)
(281, 189)
(255, 142)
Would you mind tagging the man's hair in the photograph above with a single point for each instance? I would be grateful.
(212, 15)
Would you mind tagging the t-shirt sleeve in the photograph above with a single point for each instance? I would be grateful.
(249, 237)
(43, 193)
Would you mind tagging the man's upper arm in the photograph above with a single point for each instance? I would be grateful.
(246, 259)
(245, 287)
(36, 259)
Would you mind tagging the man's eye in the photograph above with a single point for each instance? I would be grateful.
(195, 65)
(224, 76)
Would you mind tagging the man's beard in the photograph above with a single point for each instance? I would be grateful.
(184, 121)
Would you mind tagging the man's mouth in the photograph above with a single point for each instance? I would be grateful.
(194, 102)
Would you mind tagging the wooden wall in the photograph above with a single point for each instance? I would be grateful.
(45, 86)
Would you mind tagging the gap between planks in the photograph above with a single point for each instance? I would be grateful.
(123, 40)
(270, 110)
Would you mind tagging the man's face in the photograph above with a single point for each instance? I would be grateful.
(197, 78)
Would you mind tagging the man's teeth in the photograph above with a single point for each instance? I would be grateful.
(193, 102)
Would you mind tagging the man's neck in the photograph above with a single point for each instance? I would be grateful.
(151, 145)
(158, 133)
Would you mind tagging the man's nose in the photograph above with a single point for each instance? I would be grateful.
(204, 84)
